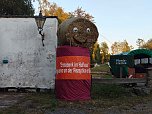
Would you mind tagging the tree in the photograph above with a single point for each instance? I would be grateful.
(140, 42)
(125, 46)
(119, 47)
(59, 12)
(104, 52)
(79, 12)
(98, 55)
(16, 7)
(92, 57)
(148, 44)
(49, 9)
(115, 47)
(95, 54)
(53, 10)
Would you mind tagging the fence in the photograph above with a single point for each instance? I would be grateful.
(119, 80)
(147, 79)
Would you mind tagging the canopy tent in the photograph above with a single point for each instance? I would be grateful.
(138, 59)
(140, 53)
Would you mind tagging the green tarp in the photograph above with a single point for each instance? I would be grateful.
(141, 53)
(129, 57)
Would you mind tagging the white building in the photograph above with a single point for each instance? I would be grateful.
(24, 62)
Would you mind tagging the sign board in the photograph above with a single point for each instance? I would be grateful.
(122, 60)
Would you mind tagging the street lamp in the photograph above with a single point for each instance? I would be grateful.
(40, 20)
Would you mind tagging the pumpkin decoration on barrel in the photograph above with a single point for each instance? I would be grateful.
(77, 32)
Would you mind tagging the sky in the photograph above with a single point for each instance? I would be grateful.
(116, 20)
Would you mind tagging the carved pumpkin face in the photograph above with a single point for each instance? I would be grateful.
(80, 32)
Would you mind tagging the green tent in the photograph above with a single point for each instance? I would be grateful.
(135, 58)
(140, 53)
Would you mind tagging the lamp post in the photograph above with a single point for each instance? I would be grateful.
(40, 20)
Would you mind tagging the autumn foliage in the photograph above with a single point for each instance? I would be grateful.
(148, 44)
(119, 47)
(53, 9)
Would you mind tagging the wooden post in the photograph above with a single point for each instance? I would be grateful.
(149, 78)
(121, 72)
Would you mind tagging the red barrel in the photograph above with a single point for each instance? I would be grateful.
(73, 79)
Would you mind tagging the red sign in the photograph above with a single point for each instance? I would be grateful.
(73, 67)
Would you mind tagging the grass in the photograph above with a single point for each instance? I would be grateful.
(101, 68)
(108, 91)
(33, 103)
(103, 96)
(109, 76)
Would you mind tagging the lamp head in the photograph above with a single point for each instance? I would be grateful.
(40, 20)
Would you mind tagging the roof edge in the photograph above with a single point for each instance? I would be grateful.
(24, 16)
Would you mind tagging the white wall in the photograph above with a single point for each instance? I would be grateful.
(29, 63)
